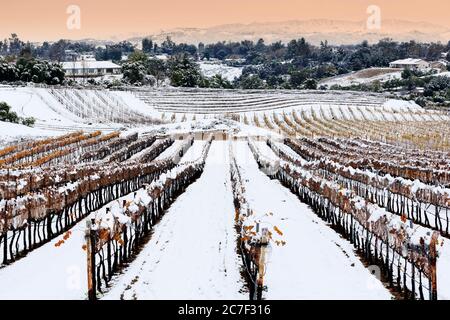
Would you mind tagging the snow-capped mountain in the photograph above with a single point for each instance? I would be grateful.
(335, 31)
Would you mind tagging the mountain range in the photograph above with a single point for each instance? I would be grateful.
(314, 31)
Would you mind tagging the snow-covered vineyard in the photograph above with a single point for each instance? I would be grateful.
(216, 194)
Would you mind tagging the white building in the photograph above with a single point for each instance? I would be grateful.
(412, 64)
(90, 68)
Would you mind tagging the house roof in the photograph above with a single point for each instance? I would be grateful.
(89, 65)
(408, 61)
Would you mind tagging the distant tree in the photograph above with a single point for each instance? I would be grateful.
(298, 48)
(183, 72)
(134, 72)
(26, 52)
(158, 69)
(9, 72)
(310, 84)
(6, 114)
(297, 77)
(147, 45)
(434, 51)
(137, 56)
(260, 46)
(376, 86)
(406, 74)
(252, 82)
(57, 50)
(439, 83)
(114, 52)
(201, 48)
(421, 101)
(29, 122)
(325, 52)
(218, 81)
(15, 44)
(276, 51)
(221, 54)
(10, 116)
(39, 71)
(184, 48)
(167, 46)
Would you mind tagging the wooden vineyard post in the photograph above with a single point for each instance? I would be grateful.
(90, 252)
(433, 258)
(5, 248)
(262, 262)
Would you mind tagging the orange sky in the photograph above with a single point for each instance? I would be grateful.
(37, 20)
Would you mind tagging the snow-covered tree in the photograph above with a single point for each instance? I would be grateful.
(183, 72)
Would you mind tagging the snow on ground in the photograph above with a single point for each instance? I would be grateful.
(249, 130)
(50, 113)
(13, 131)
(315, 263)
(444, 74)
(199, 125)
(287, 150)
(210, 69)
(136, 104)
(194, 152)
(362, 77)
(170, 151)
(239, 129)
(443, 275)
(29, 102)
(401, 106)
(192, 252)
(49, 272)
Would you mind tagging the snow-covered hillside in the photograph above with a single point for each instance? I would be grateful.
(12, 132)
(61, 110)
(66, 109)
(364, 76)
(211, 68)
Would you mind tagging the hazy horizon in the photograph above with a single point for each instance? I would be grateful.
(101, 19)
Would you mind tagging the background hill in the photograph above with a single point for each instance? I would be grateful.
(314, 31)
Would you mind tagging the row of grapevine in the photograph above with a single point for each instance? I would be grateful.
(254, 234)
(423, 204)
(114, 235)
(420, 129)
(311, 149)
(38, 204)
(43, 147)
(31, 220)
(99, 106)
(406, 252)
